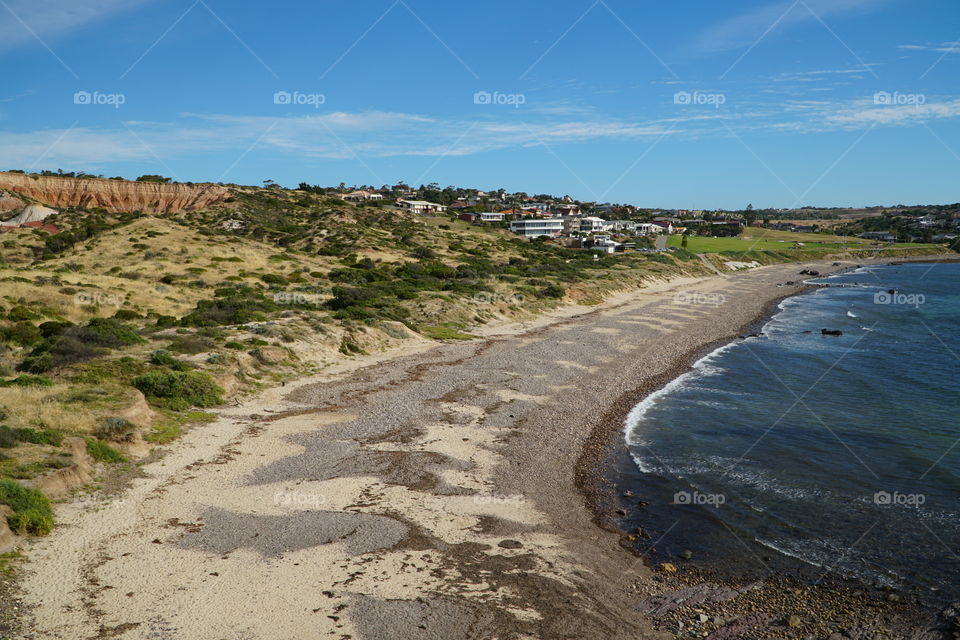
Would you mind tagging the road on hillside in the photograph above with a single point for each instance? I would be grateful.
(661, 242)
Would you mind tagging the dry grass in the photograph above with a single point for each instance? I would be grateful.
(45, 409)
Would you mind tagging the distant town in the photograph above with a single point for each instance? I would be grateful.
(612, 228)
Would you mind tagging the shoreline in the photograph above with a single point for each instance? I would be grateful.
(434, 493)
(604, 495)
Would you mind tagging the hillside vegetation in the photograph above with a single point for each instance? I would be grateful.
(126, 327)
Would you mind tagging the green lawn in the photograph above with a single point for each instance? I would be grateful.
(704, 244)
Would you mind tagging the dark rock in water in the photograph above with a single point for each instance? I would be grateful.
(621, 512)
(628, 494)
(686, 554)
(891, 291)
(510, 544)
(831, 332)
(643, 503)
(808, 331)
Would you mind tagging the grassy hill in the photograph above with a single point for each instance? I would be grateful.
(127, 327)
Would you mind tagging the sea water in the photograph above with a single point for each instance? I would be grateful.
(841, 451)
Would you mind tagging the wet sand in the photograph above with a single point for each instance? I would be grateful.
(446, 492)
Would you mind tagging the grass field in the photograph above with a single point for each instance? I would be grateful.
(753, 233)
(703, 244)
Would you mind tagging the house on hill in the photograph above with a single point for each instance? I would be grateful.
(421, 206)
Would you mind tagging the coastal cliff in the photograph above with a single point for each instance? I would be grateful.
(114, 195)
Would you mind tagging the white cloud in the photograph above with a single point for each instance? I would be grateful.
(377, 134)
(857, 117)
(26, 20)
(747, 28)
(335, 135)
(943, 47)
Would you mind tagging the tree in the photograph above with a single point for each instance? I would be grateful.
(683, 242)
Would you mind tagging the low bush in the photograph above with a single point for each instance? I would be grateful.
(27, 381)
(32, 513)
(190, 345)
(180, 390)
(116, 429)
(102, 452)
(48, 437)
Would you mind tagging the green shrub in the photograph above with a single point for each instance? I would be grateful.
(115, 429)
(25, 334)
(272, 278)
(32, 513)
(53, 328)
(180, 390)
(230, 305)
(21, 313)
(102, 452)
(27, 381)
(77, 344)
(162, 357)
(233, 344)
(10, 437)
(106, 332)
(190, 345)
(553, 291)
(127, 314)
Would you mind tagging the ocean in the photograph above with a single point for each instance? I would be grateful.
(840, 452)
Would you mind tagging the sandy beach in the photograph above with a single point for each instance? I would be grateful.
(445, 492)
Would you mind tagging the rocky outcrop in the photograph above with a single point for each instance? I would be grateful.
(114, 195)
(31, 213)
(9, 203)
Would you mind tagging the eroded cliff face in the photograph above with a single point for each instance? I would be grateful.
(114, 195)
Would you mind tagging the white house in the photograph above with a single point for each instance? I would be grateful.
(421, 206)
(359, 196)
(491, 217)
(592, 224)
(537, 228)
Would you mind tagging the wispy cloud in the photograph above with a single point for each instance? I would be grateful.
(865, 115)
(745, 29)
(943, 47)
(26, 21)
(372, 134)
(379, 134)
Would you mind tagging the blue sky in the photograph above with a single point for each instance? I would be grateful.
(698, 104)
